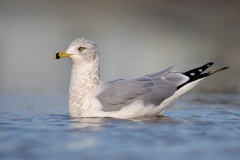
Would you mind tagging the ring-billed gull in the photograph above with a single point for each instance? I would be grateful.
(149, 95)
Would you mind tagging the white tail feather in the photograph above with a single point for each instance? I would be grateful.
(167, 103)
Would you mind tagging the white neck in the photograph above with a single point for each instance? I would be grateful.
(84, 80)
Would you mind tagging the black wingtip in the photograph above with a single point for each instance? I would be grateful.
(197, 73)
(210, 63)
(207, 65)
(224, 68)
(218, 70)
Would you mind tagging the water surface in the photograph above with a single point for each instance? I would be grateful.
(199, 126)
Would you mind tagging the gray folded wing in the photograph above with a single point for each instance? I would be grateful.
(152, 89)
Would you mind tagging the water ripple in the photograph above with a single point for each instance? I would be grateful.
(198, 127)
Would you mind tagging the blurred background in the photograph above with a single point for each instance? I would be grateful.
(134, 38)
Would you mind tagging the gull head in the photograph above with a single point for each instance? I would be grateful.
(79, 51)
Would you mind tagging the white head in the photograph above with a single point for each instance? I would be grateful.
(80, 51)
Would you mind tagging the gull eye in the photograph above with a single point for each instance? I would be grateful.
(81, 48)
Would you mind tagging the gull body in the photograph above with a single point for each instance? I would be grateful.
(149, 95)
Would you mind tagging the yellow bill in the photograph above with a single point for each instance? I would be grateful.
(61, 55)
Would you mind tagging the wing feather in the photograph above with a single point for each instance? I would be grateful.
(152, 89)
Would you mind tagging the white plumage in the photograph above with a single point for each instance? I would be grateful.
(149, 95)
